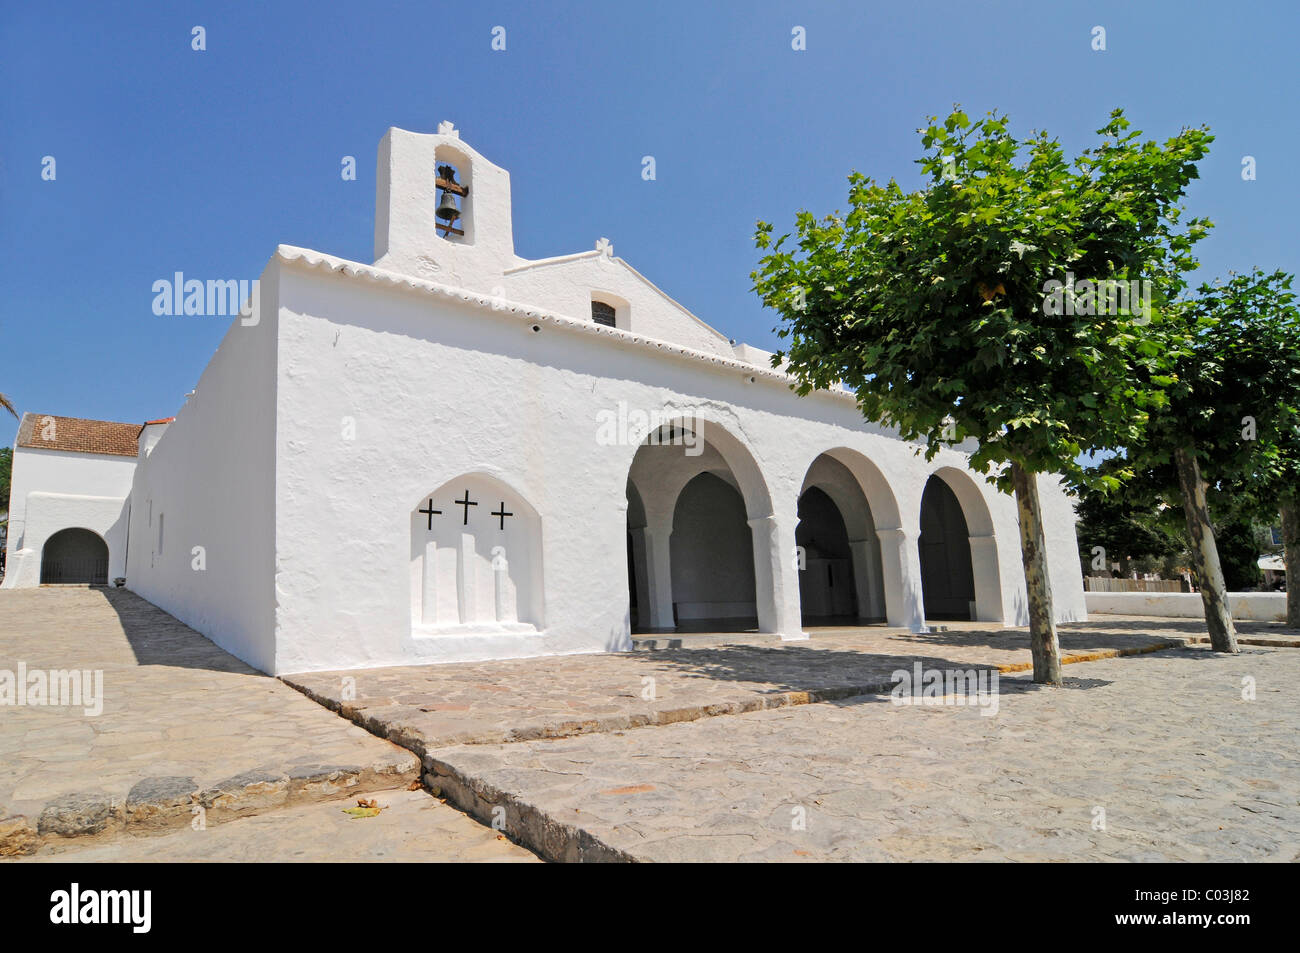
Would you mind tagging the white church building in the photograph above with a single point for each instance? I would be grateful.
(457, 454)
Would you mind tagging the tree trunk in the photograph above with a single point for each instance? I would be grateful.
(1043, 643)
(1291, 556)
(1205, 553)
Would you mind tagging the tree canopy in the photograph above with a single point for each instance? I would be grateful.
(971, 307)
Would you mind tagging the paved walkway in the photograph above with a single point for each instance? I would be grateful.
(1162, 748)
(183, 724)
(1161, 741)
(429, 706)
(413, 828)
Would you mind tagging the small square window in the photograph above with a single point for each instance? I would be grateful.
(603, 313)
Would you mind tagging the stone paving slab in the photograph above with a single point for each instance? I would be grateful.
(413, 828)
(183, 724)
(430, 706)
(1164, 744)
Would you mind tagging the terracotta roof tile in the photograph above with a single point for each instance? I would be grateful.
(78, 435)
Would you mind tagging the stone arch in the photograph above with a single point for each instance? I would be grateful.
(74, 556)
(672, 448)
(691, 434)
(476, 559)
(869, 508)
(973, 566)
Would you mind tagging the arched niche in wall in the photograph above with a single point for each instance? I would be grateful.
(476, 559)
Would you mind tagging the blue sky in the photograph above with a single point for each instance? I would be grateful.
(171, 160)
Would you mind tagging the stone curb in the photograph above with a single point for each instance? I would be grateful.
(167, 803)
(1269, 643)
(522, 822)
(1097, 656)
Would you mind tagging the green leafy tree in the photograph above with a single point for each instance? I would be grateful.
(1239, 554)
(1229, 430)
(6, 474)
(934, 305)
(1127, 525)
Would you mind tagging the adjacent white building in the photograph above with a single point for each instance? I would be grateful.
(69, 501)
(454, 453)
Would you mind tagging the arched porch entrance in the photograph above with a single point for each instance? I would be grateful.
(699, 533)
(841, 570)
(960, 579)
(74, 557)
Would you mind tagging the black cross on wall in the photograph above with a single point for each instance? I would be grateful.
(430, 511)
(502, 513)
(466, 503)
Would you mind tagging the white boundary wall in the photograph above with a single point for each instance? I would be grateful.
(1254, 606)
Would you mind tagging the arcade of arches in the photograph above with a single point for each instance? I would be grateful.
(701, 542)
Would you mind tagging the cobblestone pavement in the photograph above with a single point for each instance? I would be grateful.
(413, 828)
(1162, 741)
(1164, 744)
(429, 706)
(183, 723)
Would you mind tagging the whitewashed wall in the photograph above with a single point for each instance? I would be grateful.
(1255, 606)
(438, 387)
(211, 479)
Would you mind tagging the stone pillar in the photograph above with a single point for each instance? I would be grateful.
(988, 578)
(641, 573)
(776, 576)
(659, 581)
(900, 563)
(866, 570)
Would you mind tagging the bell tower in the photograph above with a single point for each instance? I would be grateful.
(442, 211)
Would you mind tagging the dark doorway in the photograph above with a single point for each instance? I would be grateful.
(712, 557)
(947, 580)
(826, 589)
(75, 556)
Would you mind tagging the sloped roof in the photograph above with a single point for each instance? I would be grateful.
(78, 435)
(315, 260)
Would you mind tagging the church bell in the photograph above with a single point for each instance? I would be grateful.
(447, 210)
